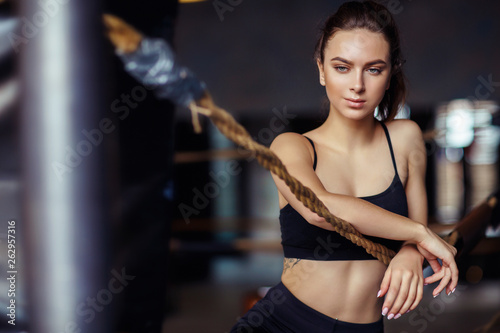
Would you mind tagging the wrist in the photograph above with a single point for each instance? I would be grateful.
(412, 250)
(419, 233)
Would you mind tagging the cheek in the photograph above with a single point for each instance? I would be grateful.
(377, 87)
(336, 84)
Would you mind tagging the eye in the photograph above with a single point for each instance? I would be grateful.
(374, 71)
(341, 69)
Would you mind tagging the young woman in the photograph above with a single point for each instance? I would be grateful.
(366, 171)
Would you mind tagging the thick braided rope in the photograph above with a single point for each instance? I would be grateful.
(228, 126)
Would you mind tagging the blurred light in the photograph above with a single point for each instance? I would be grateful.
(190, 1)
(448, 214)
(7, 26)
(454, 155)
(9, 91)
(485, 147)
(403, 112)
(482, 118)
(459, 128)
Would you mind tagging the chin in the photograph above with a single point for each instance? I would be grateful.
(357, 114)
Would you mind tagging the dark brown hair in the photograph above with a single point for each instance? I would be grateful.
(374, 17)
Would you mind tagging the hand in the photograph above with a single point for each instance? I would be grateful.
(433, 248)
(403, 282)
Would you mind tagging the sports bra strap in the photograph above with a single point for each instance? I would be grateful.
(388, 142)
(314, 149)
(390, 146)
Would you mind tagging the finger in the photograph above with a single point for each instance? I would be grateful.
(444, 282)
(407, 291)
(438, 272)
(435, 265)
(418, 297)
(434, 277)
(400, 296)
(410, 299)
(454, 277)
(450, 264)
(391, 295)
(386, 281)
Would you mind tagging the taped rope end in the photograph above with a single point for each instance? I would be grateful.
(195, 111)
(194, 118)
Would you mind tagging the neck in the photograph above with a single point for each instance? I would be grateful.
(348, 133)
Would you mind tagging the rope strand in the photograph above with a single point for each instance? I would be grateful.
(228, 126)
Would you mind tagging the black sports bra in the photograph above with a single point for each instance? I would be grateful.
(302, 240)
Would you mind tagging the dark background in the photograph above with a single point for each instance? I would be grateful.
(261, 54)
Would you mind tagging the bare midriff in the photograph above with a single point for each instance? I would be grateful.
(344, 290)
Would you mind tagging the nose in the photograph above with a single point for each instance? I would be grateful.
(358, 83)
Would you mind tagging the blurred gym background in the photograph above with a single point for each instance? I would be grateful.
(128, 221)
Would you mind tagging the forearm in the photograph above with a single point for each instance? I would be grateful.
(372, 220)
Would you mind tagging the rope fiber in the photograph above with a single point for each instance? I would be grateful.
(230, 128)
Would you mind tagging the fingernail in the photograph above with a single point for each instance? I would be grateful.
(378, 294)
(397, 316)
(426, 284)
(449, 293)
(408, 311)
(453, 290)
(390, 316)
(435, 295)
(384, 312)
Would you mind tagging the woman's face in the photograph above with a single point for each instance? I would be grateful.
(356, 72)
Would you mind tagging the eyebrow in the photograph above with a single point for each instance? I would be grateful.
(374, 62)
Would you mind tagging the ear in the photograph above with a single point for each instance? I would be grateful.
(321, 72)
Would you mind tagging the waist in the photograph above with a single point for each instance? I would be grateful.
(346, 290)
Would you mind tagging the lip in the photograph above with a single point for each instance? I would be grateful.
(355, 103)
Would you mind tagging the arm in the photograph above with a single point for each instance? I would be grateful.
(403, 281)
(296, 154)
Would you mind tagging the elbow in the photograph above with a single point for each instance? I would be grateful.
(313, 218)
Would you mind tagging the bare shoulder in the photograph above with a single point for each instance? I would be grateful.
(288, 140)
(291, 146)
(404, 131)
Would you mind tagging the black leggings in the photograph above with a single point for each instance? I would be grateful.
(280, 311)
